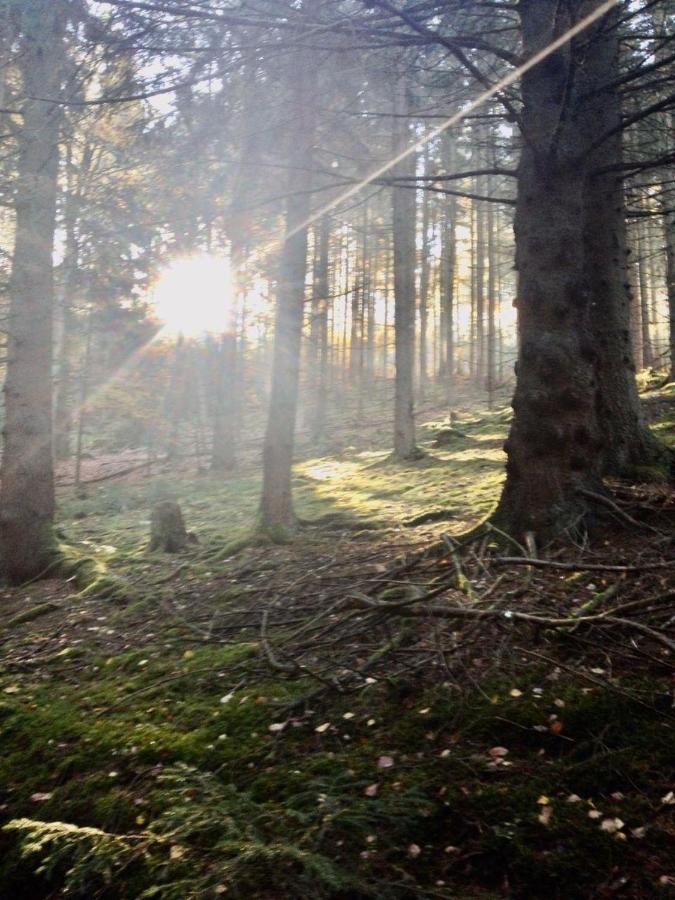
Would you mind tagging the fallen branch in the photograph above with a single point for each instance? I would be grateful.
(576, 567)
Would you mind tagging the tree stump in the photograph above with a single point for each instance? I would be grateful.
(167, 528)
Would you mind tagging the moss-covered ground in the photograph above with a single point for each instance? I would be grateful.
(151, 748)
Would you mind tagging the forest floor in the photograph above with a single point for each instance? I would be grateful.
(349, 715)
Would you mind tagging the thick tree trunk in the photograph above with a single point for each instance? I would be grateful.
(403, 216)
(554, 445)
(276, 505)
(27, 544)
(627, 442)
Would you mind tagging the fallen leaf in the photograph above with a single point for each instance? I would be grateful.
(385, 762)
(371, 790)
(321, 728)
(414, 851)
(41, 797)
(276, 727)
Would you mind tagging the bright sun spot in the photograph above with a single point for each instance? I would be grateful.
(194, 295)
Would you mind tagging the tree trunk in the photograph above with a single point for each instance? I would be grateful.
(627, 442)
(63, 418)
(27, 544)
(276, 506)
(447, 279)
(318, 373)
(425, 267)
(643, 278)
(403, 216)
(491, 356)
(669, 235)
(553, 447)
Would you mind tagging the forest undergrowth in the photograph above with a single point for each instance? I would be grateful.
(381, 708)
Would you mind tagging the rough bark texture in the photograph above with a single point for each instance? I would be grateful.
(27, 545)
(627, 442)
(577, 411)
(553, 447)
(276, 505)
(403, 217)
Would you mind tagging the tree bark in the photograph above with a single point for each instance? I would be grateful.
(277, 516)
(318, 372)
(554, 445)
(425, 269)
(403, 217)
(669, 235)
(627, 442)
(27, 543)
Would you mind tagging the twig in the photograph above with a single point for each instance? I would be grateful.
(610, 504)
(289, 668)
(576, 567)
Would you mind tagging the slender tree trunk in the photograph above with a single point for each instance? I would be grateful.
(669, 236)
(403, 216)
(493, 281)
(479, 263)
(448, 267)
(319, 335)
(83, 399)
(660, 22)
(63, 423)
(276, 506)
(27, 544)
(425, 268)
(356, 335)
(643, 276)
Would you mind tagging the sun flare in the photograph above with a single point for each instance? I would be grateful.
(194, 295)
